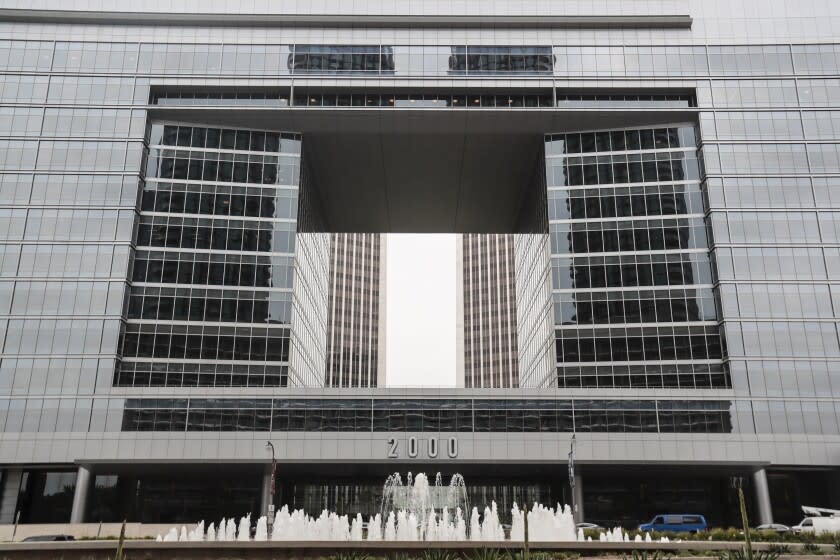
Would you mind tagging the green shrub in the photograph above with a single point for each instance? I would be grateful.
(350, 555)
(807, 537)
(828, 538)
(547, 555)
(719, 534)
(779, 549)
(811, 548)
(649, 555)
(728, 534)
(741, 554)
(737, 554)
(594, 533)
(764, 536)
(485, 553)
(438, 554)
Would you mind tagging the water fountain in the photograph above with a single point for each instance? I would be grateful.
(414, 511)
(429, 505)
(545, 524)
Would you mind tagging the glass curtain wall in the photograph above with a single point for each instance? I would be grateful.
(211, 290)
(632, 279)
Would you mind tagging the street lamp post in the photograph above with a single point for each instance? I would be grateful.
(270, 519)
(572, 478)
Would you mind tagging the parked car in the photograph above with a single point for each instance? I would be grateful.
(804, 526)
(775, 527)
(676, 522)
(593, 526)
(48, 538)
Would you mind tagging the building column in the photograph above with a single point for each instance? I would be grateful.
(762, 497)
(265, 491)
(80, 495)
(578, 498)
(9, 497)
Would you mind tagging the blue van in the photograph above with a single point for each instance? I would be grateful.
(678, 522)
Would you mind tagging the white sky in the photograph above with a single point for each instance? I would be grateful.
(420, 328)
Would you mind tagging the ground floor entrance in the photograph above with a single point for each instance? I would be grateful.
(608, 495)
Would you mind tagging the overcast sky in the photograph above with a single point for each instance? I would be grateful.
(420, 338)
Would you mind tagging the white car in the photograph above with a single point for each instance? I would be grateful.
(804, 526)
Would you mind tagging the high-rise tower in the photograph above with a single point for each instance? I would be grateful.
(487, 342)
(356, 316)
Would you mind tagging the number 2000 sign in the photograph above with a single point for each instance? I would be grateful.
(413, 447)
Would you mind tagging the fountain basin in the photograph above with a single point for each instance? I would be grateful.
(266, 550)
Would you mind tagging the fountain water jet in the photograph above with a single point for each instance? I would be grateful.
(390, 528)
(211, 533)
(414, 511)
(356, 528)
(261, 533)
(423, 502)
(375, 528)
(171, 536)
(244, 529)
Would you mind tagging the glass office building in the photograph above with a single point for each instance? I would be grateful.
(169, 184)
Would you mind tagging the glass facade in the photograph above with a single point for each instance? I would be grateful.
(158, 270)
(46, 496)
(431, 60)
(452, 415)
(627, 60)
(632, 275)
(172, 497)
(622, 502)
(232, 215)
(533, 98)
(638, 220)
(71, 154)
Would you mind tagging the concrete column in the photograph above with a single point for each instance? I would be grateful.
(80, 495)
(762, 497)
(265, 491)
(578, 498)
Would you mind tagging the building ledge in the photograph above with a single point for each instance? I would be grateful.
(347, 20)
